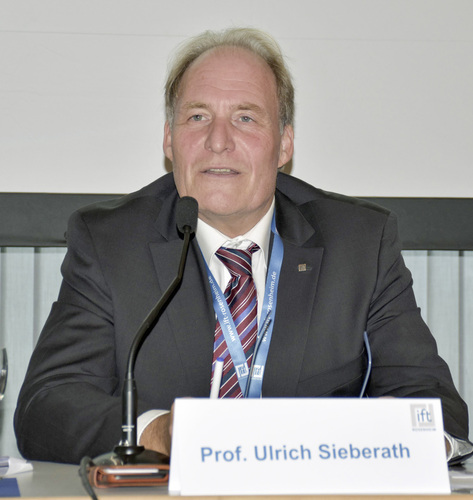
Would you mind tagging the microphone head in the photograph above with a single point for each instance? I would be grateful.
(187, 210)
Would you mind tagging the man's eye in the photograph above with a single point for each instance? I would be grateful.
(246, 119)
(197, 118)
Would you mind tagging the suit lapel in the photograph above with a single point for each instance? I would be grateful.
(189, 316)
(303, 252)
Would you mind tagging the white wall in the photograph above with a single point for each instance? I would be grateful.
(384, 90)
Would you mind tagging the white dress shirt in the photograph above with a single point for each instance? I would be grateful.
(210, 240)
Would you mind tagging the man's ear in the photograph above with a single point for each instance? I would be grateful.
(286, 149)
(167, 141)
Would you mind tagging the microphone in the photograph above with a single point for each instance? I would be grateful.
(186, 214)
(128, 452)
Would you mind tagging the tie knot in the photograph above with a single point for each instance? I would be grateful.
(237, 261)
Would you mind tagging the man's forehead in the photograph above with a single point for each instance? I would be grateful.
(226, 71)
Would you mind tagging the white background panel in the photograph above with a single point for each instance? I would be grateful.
(384, 90)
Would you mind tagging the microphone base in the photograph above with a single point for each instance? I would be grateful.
(127, 455)
(128, 466)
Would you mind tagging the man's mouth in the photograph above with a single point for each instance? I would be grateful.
(220, 171)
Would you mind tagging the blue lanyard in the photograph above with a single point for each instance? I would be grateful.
(251, 381)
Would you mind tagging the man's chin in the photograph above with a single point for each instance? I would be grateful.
(216, 214)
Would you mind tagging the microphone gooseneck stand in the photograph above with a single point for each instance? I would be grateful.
(128, 451)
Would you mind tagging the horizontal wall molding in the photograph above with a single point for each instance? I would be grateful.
(40, 219)
(432, 223)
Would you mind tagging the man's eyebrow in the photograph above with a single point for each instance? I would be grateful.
(195, 105)
(250, 106)
(244, 106)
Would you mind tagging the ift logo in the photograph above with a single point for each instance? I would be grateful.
(422, 416)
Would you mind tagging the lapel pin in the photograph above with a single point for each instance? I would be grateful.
(302, 268)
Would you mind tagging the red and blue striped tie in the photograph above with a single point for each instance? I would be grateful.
(241, 299)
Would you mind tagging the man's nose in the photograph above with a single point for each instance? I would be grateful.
(220, 136)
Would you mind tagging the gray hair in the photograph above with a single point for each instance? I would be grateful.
(253, 40)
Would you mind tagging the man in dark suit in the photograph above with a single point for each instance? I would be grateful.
(229, 129)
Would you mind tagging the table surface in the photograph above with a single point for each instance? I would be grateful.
(49, 480)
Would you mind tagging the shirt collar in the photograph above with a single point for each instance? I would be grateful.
(210, 239)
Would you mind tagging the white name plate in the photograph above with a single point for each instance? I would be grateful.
(308, 446)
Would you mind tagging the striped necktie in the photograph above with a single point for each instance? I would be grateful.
(241, 299)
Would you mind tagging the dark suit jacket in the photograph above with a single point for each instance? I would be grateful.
(123, 254)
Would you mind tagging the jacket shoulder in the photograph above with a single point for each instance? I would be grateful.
(303, 195)
(134, 213)
(155, 192)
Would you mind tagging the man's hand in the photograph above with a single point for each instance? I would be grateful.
(158, 434)
(448, 447)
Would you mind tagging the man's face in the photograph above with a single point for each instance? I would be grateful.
(225, 143)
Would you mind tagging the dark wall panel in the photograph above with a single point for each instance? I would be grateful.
(39, 219)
